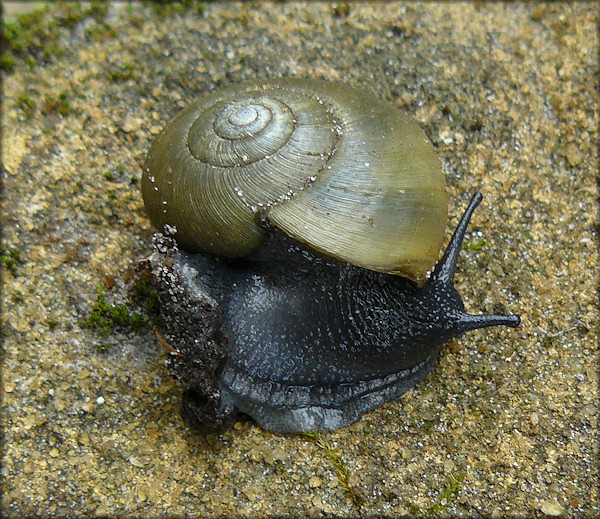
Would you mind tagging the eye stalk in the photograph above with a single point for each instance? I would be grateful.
(442, 281)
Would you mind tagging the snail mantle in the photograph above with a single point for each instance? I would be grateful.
(298, 220)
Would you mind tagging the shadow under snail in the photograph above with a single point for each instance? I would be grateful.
(299, 221)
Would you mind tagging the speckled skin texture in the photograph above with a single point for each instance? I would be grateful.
(297, 340)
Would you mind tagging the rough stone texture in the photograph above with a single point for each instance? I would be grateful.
(507, 422)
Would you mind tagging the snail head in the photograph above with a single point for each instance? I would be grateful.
(440, 304)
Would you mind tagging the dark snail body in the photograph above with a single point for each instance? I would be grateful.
(300, 339)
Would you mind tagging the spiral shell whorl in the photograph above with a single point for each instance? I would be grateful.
(329, 165)
(241, 133)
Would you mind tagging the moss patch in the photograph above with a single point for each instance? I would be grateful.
(105, 317)
(11, 259)
(450, 490)
(339, 465)
(166, 8)
(34, 36)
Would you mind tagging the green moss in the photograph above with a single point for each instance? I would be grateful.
(450, 490)
(52, 324)
(17, 297)
(135, 20)
(165, 8)
(100, 32)
(103, 346)
(34, 36)
(7, 63)
(124, 72)
(59, 105)
(26, 104)
(97, 10)
(209, 56)
(110, 176)
(104, 316)
(22, 35)
(475, 244)
(339, 465)
(340, 9)
(11, 259)
(137, 321)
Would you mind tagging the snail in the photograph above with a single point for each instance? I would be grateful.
(298, 221)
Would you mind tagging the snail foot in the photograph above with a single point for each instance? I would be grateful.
(283, 408)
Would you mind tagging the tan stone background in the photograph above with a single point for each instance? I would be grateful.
(506, 424)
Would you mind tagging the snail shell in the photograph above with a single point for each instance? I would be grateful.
(331, 166)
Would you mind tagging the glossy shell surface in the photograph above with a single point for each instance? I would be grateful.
(333, 167)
